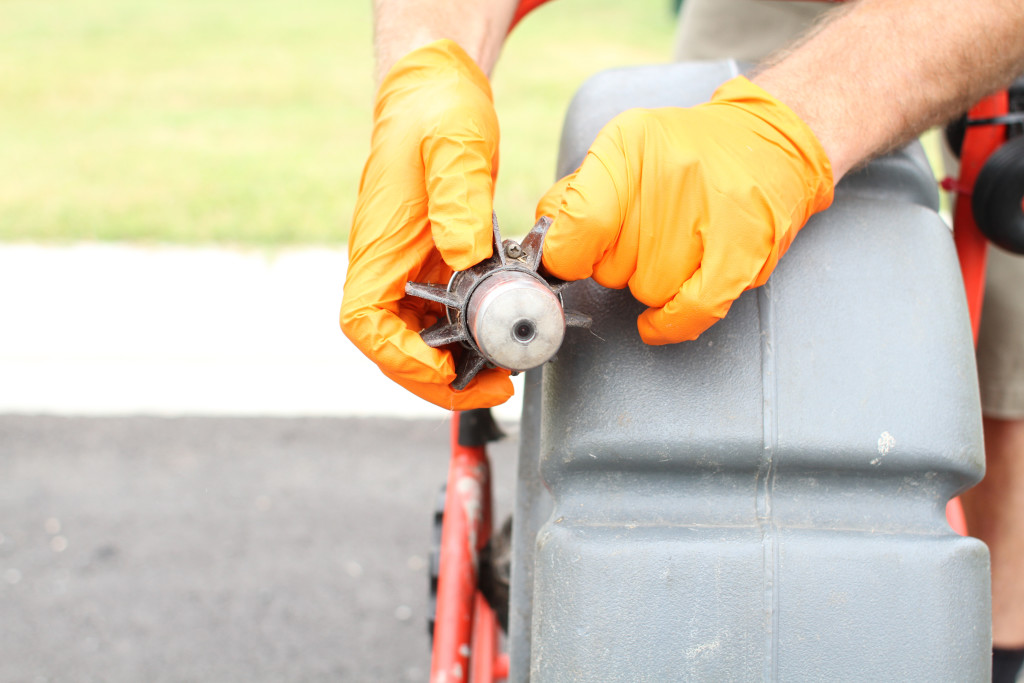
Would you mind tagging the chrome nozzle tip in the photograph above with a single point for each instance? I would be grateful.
(516, 320)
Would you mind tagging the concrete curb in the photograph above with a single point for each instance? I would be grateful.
(98, 329)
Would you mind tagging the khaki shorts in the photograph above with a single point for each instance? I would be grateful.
(746, 30)
(750, 30)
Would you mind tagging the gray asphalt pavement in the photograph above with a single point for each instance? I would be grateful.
(219, 549)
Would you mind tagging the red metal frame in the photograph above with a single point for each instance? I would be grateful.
(465, 628)
(971, 246)
(524, 8)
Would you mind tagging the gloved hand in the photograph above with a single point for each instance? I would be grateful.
(424, 208)
(688, 207)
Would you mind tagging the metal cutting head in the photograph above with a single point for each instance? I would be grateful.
(502, 311)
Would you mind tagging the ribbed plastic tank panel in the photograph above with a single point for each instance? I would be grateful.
(765, 503)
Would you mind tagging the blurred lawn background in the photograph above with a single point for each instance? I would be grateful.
(231, 121)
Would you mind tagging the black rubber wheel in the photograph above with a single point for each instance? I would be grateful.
(998, 196)
(495, 571)
(434, 567)
(495, 563)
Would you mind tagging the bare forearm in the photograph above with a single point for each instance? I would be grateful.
(883, 71)
(478, 26)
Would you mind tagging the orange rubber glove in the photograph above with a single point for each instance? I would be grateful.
(424, 208)
(688, 207)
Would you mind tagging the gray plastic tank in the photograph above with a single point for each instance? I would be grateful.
(765, 503)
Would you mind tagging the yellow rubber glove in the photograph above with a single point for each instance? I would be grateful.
(424, 208)
(688, 207)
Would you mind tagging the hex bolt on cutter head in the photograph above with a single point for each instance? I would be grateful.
(502, 310)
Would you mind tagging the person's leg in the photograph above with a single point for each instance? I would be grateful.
(995, 507)
(995, 514)
(745, 30)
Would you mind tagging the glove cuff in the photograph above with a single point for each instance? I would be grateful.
(816, 166)
(437, 59)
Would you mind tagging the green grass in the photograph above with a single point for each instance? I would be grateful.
(226, 121)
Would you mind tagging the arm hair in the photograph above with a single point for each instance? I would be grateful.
(880, 72)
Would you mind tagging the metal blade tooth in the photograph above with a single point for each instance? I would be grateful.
(533, 243)
(470, 363)
(430, 292)
(496, 238)
(555, 284)
(441, 333)
(573, 318)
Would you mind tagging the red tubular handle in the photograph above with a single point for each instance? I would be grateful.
(971, 246)
(525, 7)
(463, 627)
